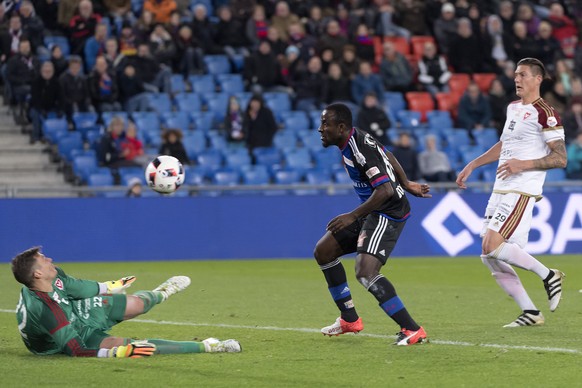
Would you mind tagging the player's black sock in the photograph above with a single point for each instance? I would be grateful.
(385, 294)
(532, 312)
(337, 283)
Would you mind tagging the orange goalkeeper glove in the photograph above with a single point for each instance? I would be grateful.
(119, 286)
(137, 349)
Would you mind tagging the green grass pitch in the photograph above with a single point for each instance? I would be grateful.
(276, 307)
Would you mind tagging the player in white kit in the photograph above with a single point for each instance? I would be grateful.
(531, 143)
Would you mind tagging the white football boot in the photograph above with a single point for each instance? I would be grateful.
(172, 286)
(527, 319)
(214, 345)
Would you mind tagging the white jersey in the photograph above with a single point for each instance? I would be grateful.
(527, 130)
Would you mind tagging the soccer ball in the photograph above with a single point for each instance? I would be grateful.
(165, 174)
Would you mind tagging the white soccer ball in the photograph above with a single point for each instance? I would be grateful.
(165, 174)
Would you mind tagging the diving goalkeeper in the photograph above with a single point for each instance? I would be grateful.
(60, 314)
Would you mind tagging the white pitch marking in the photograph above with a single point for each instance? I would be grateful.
(381, 336)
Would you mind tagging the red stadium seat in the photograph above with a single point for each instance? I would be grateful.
(459, 82)
(421, 102)
(417, 43)
(400, 44)
(448, 102)
(484, 80)
(378, 50)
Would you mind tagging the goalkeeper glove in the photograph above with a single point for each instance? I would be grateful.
(119, 286)
(137, 349)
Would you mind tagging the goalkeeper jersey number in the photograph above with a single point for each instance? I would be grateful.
(49, 321)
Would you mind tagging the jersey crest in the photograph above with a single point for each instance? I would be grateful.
(59, 284)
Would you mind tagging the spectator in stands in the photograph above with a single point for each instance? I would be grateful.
(259, 124)
(346, 23)
(82, 26)
(160, 9)
(326, 59)
(291, 65)
(316, 22)
(261, 70)
(366, 81)
(565, 75)
(574, 167)
(228, 34)
(498, 101)
(233, 122)
(190, 57)
(349, 62)
(305, 43)
(527, 15)
(172, 145)
(75, 90)
(474, 110)
(466, 53)
(548, 47)
(95, 46)
(45, 98)
(65, 12)
(434, 164)
(144, 26)
(59, 61)
(497, 42)
(572, 119)
(162, 46)
(309, 86)
(48, 11)
(110, 151)
(277, 45)
(337, 87)
(332, 39)
(578, 59)
(134, 188)
(103, 87)
(524, 46)
(507, 15)
(434, 74)
(557, 97)
(256, 26)
(33, 27)
(405, 153)
(132, 147)
(127, 40)
(9, 39)
(174, 24)
(283, 18)
(118, 10)
(507, 79)
(132, 91)
(21, 70)
(411, 16)
(445, 27)
(364, 44)
(373, 119)
(395, 71)
(203, 29)
(384, 23)
(116, 60)
(156, 77)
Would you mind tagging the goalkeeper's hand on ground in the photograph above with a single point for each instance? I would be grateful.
(119, 286)
(134, 350)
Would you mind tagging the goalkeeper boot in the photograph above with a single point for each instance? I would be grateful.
(527, 319)
(554, 288)
(214, 345)
(408, 337)
(172, 286)
(341, 327)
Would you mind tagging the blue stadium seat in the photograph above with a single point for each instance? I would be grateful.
(486, 137)
(299, 160)
(178, 120)
(207, 3)
(226, 177)
(408, 118)
(148, 123)
(217, 141)
(439, 119)
(287, 177)
(159, 102)
(69, 142)
(459, 137)
(268, 156)
(230, 83)
(85, 121)
(394, 102)
(217, 64)
(195, 177)
(101, 178)
(83, 166)
(188, 102)
(217, 103)
(255, 175)
(128, 173)
(54, 128)
(61, 41)
(285, 140)
(318, 176)
(243, 99)
(177, 84)
(202, 83)
(106, 117)
(556, 175)
(92, 138)
(295, 120)
(237, 159)
(210, 159)
(315, 117)
(311, 139)
(194, 143)
(277, 101)
(327, 158)
(202, 121)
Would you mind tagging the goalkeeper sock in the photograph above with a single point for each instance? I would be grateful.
(385, 294)
(337, 283)
(150, 299)
(177, 347)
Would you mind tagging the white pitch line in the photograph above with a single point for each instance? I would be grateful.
(381, 336)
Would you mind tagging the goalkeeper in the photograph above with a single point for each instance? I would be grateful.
(60, 314)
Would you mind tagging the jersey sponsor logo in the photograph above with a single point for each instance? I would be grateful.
(552, 122)
(59, 284)
(512, 125)
(369, 141)
(526, 115)
(372, 171)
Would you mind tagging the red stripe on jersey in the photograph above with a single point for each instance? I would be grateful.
(57, 311)
(78, 351)
(380, 179)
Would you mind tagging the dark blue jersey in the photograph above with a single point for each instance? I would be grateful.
(368, 166)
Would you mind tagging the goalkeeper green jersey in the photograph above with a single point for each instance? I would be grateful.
(54, 322)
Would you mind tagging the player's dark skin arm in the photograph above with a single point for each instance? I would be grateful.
(380, 195)
(557, 158)
(414, 188)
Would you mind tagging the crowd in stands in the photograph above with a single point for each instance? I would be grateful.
(59, 58)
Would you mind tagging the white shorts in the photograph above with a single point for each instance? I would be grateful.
(510, 215)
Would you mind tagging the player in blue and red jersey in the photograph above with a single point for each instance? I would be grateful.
(371, 229)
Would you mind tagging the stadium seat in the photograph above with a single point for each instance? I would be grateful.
(177, 84)
(69, 142)
(177, 120)
(159, 102)
(194, 143)
(202, 83)
(237, 159)
(285, 140)
(217, 103)
(83, 166)
(230, 83)
(400, 44)
(417, 42)
(217, 64)
(147, 123)
(421, 102)
(287, 177)
(295, 120)
(487, 137)
(277, 101)
(202, 121)
(299, 160)
(315, 117)
(85, 121)
(188, 102)
(555, 175)
(226, 177)
(243, 99)
(394, 102)
(209, 159)
(128, 173)
(327, 158)
(446, 101)
(217, 141)
(311, 139)
(483, 80)
(267, 156)
(101, 178)
(318, 176)
(458, 138)
(54, 128)
(459, 82)
(61, 41)
(409, 118)
(438, 119)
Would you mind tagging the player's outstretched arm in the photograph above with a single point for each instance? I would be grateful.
(490, 156)
(116, 286)
(417, 189)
